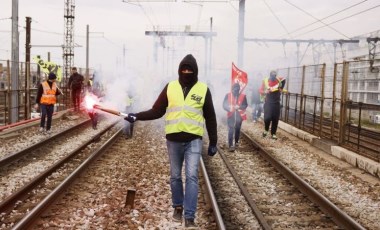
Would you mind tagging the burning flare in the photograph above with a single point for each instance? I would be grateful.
(90, 100)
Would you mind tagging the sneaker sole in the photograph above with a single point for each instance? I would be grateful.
(177, 220)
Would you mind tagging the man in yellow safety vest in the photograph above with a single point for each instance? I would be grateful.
(189, 107)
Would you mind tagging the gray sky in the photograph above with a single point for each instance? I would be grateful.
(124, 24)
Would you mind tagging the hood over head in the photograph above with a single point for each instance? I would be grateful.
(235, 89)
(52, 76)
(272, 75)
(188, 71)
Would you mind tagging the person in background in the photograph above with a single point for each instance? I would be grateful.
(75, 85)
(46, 98)
(235, 103)
(257, 101)
(90, 85)
(189, 107)
(271, 89)
(128, 127)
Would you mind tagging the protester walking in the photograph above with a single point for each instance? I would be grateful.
(76, 85)
(235, 103)
(257, 100)
(46, 99)
(189, 107)
(271, 89)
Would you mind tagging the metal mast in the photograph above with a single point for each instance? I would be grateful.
(68, 47)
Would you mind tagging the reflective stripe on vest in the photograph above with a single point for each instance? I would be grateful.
(185, 115)
(48, 95)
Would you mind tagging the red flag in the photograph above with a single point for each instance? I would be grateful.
(239, 76)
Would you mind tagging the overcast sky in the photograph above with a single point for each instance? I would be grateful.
(115, 24)
(125, 24)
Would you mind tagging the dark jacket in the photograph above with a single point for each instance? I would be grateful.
(226, 104)
(75, 77)
(187, 82)
(41, 91)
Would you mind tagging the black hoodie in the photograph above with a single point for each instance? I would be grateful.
(187, 81)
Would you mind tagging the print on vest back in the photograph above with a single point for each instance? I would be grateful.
(196, 98)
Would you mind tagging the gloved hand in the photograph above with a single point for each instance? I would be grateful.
(237, 107)
(131, 117)
(212, 150)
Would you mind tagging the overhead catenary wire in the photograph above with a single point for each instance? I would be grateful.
(318, 20)
(277, 18)
(328, 16)
(339, 20)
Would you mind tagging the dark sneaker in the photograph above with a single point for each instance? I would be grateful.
(189, 224)
(265, 133)
(231, 149)
(274, 137)
(177, 214)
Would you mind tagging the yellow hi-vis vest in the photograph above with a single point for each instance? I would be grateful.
(48, 95)
(273, 88)
(185, 115)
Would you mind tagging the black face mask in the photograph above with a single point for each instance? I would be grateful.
(187, 78)
(235, 91)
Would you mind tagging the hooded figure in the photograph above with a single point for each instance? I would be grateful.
(188, 73)
(236, 89)
(46, 98)
(272, 75)
(235, 103)
(271, 89)
(189, 109)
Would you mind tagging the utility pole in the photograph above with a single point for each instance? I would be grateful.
(241, 34)
(87, 52)
(68, 48)
(14, 103)
(27, 69)
(372, 53)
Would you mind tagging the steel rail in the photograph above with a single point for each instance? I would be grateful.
(326, 206)
(7, 204)
(256, 211)
(17, 155)
(214, 204)
(34, 214)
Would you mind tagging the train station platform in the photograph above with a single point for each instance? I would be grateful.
(328, 146)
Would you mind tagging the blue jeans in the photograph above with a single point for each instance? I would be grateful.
(256, 111)
(46, 111)
(190, 152)
(234, 127)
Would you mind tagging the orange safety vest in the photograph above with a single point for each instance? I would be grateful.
(48, 95)
(232, 101)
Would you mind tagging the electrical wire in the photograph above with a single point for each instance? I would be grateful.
(339, 20)
(278, 19)
(333, 14)
(318, 20)
(3, 19)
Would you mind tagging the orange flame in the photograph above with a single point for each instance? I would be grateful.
(90, 100)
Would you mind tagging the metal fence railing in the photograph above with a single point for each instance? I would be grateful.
(340, 103)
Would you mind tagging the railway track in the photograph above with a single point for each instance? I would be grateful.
(37, 169)
(99, 196)
(48, 205)
(273, 193)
